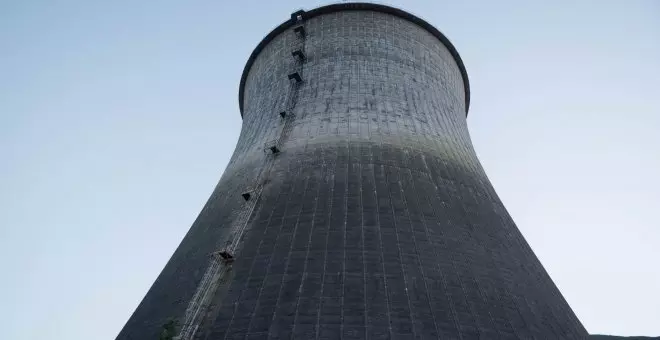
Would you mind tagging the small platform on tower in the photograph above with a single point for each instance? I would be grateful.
(295, 76)
(300, 32)
(271, 147)
(298, 15)
(225, 256)
(299, 55)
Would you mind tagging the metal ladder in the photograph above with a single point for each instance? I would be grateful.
(220, 262)
(219, 265)
(296, 81)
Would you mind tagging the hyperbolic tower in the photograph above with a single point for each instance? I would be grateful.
(354, 205)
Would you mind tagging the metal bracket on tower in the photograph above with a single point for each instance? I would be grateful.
(298, 15)
(271, 147)
(295, 76)
(224, 255)
(300, 31)
(299, 55)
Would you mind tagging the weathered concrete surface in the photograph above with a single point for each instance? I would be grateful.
(376, 219)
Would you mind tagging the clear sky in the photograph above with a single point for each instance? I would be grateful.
(117, 119)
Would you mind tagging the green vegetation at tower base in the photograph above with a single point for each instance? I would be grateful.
(169, 330)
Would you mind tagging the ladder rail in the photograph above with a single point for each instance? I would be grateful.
(207, 291)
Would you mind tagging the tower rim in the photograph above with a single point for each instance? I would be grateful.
(363, 6)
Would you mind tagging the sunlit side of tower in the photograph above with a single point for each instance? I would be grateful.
(354, 205)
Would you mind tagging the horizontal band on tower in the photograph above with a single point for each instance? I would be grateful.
(348, 7)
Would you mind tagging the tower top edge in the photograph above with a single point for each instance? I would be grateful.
(353, 6)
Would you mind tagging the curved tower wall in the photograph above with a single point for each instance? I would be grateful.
(371, 217)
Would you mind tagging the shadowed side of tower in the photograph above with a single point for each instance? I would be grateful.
(354, 205)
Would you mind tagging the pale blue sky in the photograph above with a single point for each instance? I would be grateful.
(117, 119)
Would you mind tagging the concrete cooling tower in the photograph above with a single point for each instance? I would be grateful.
(354, 205)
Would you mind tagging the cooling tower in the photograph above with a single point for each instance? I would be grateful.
(354, 205)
